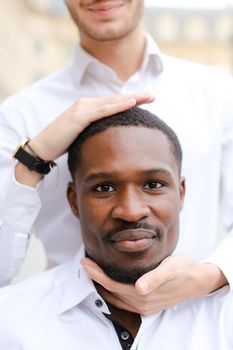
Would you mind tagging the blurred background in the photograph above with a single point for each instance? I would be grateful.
(37, 37)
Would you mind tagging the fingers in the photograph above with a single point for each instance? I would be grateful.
(113, 299)
(146, 284)
(133, 303)
(144, 98)
(176, 279)
(140, 97)
(101, 107)
(133, 298)
(97, 274)
(107, 109)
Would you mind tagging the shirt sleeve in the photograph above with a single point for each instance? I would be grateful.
(19, 205)
(223, 254)
(18, 214)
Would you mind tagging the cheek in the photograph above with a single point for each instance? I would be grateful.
(167, 211)
(92, 214)
(89, 217)
(168, 216)
(171, 221)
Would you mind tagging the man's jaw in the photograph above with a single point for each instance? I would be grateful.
(127, 276)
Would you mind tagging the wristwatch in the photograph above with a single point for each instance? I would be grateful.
(32, 162)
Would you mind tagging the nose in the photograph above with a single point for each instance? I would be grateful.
(130, 206)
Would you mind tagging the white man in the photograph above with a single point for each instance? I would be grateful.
(116, 57)
(127, 192)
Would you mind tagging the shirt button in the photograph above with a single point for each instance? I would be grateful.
(128, 346)
(98, 303)
(124, 335)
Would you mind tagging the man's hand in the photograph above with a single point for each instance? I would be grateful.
(55, 139)
(177, 279)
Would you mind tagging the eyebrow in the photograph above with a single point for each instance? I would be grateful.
(107, 176)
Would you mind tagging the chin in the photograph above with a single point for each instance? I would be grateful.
(127, 276)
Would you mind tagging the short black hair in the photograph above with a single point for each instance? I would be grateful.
(131, 117)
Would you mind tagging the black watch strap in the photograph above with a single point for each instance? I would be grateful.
(33, 163)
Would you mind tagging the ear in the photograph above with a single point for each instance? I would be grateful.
(182, 191)
(72, 198)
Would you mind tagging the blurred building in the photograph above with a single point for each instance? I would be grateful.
(35, 40)
(37, 37)
(201, 34)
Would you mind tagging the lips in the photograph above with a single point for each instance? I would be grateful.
(133, 240)
(133, 235)
(105, 7)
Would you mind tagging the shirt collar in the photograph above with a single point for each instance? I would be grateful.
(152, 55)
(83, 60)
(78, 285)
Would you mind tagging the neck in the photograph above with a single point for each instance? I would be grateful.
(124, 56)
(129, 320)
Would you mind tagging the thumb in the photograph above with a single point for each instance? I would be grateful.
(152, 280)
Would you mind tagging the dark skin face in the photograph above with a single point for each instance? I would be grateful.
(128, 195)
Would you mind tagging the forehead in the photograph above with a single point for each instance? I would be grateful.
(124, 148)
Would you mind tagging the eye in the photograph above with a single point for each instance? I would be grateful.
(153, 185)
(104, 188)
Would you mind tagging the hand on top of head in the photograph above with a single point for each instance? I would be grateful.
(54, 140)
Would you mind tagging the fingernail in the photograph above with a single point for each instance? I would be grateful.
(143, 286)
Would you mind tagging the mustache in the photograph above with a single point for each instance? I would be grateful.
(110, 235)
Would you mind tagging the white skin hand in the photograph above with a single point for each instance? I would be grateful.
(178, 278)
(55, 139)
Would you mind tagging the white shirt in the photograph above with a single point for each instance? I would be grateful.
(195, 100)
(61, 309)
